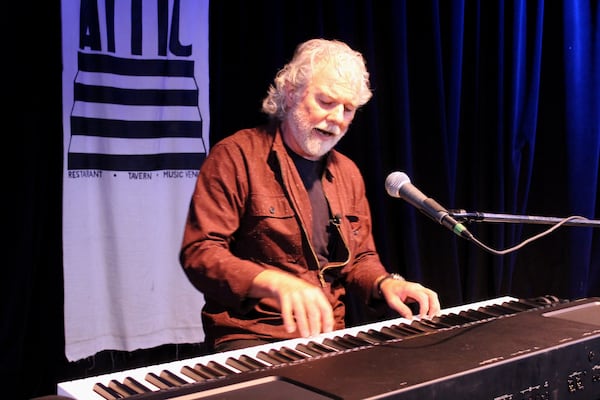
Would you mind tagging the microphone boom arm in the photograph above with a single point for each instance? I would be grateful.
(468, 217)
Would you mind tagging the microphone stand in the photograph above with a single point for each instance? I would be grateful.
(574, 220)
(467, 217)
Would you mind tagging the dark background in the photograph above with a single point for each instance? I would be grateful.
(488, 106)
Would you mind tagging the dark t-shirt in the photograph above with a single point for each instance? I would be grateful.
(311, 173)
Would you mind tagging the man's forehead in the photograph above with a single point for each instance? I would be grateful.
(336, 86)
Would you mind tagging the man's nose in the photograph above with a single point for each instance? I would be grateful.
(337, 114)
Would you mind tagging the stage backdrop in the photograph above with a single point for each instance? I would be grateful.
(135, 114)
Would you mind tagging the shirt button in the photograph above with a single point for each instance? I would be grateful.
(272, 210)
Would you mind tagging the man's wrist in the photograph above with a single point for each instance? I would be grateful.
(396, 277)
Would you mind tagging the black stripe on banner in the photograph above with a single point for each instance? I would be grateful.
(142, 97)
(146, 162)
(135, 67)
(135, 129)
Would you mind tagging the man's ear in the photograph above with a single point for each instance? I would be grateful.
(290, 96)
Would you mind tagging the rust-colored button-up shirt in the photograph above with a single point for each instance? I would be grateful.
(250, 211)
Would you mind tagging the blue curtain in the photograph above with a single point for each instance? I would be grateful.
(582, 127)
(488, 106)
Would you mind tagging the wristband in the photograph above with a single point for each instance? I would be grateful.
(396, 277)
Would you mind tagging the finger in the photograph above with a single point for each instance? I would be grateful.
(398, 305)
(328, 321)
(300, 315)
(428, 303)
(314, 321)
(287, 314)
(320, 316)
(434, 304)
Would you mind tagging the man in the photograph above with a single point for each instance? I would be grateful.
(279, 226)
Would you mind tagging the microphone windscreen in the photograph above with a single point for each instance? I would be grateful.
(394, 182)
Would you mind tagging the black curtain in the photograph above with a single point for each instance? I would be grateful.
(488, 106)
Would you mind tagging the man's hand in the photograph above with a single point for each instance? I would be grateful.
(303, 306)
(399, 292)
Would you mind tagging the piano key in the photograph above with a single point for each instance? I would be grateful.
(501, 310)
(252, 361)
(517, 305)
(269, 358)
(106, 392)
(240, 365)
(409, 330)
(337, 344)
(424, 326)
(134, 384)
(492, 312)
(436, 324)
(358, 342)
(220, 368)
(455, 319)
(121, 388)
(477, 315)
(208, 372)
(159, 381)
(513, 307)
(197, 376)
(171, 377)
(293, 354)
(315, 348)
(282, 355)
(308, 350)
(389, 330)
(375, 336)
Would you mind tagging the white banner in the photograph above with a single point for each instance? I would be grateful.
(136, 123)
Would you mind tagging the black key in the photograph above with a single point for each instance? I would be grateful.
(423, 326)
(358, 342)
(106, 392)
(171, 377)
(455, 319)
(220, 368)
(477, 315)
(307, 350)
(207, 371)
(517, 305)
(434, 324)
(498, 309)
(315, 348)
(509, 308)
(135, 385)
(388, 330)
(345, 342)
(252, 361)
(490, 311)
(271, 359)
(281, 355)
(194, 374)
(337, 343)
(243, 366)
(122, 389)
(159, 381)
(380, 335)
(409, 330)
(293, 354)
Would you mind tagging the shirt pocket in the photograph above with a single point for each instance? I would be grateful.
(359, 228)
(270, 230)
(265, 206)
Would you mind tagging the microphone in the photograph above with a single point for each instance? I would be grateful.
(398, 185)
